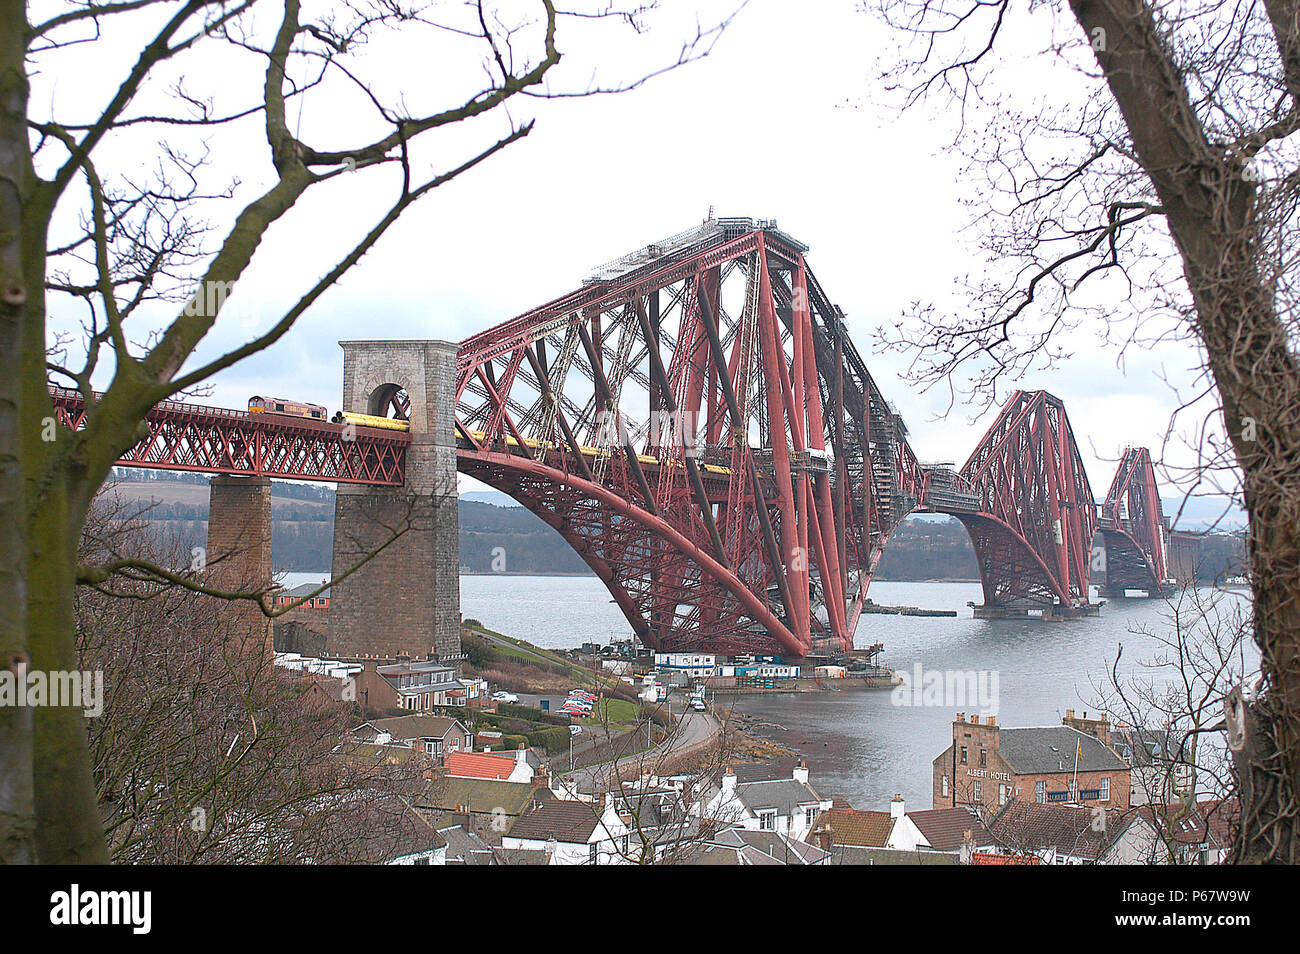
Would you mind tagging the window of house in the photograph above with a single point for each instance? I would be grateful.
(979, 794)
(944, 783)
(592, 854)
(808, 815)
(984, 756)
(627, 843)
(1002, 794)
(1040, 792)
(767, 821)
(963, 755)
(1105, 790)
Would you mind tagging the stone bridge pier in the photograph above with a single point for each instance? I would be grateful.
(238, 555)
(405, 598)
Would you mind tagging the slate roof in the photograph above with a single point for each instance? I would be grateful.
(1145, 747)
(520, 856)
(785, 795)
(481, 796)
(851, 827)
(568, 822)
(781, 768)
(1043, 749)
(405, 728)
(393, 829)
(1031, 826)
(760, 848)
(712, 855)
(298, 592)
(946, 828)
(465, 847)
(850, 855)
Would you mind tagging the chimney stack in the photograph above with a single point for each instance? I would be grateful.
(897, 808)
(824, 838)
(728, 780)
(801, 772)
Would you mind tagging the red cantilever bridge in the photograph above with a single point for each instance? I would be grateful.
(695, 421)
(697, 424)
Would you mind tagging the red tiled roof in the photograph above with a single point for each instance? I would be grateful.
(992, 858)
(1222, 817)
(479, 765)
(851, 827)
(945, 828)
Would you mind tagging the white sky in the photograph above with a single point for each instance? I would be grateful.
(781, 121)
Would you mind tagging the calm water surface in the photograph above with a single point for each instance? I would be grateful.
(858, 743)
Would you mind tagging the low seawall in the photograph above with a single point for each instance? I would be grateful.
(729, 684)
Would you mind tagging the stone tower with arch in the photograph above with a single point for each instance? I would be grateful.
(405, 600)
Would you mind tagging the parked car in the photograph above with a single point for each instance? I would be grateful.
(698, 705)
(582, 694)
(502, 696)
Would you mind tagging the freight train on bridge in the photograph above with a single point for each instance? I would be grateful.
(696, 422)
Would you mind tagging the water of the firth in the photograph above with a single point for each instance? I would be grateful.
(858, 743)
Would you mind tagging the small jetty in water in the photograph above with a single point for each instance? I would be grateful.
(883, 610)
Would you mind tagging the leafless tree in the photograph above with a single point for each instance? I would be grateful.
(81, 227)
(203, 751)
(1142, 152)
(1167, 718)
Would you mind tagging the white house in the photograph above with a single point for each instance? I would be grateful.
(574, 833)
(1070, 835)
(903, 833)
(788, 806)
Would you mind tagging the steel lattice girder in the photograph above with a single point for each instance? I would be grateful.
(1034, 536)
(755, 518)
(1133, 526)
(213, 440)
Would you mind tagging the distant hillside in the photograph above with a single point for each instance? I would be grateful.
(302, 524)
(494, 528)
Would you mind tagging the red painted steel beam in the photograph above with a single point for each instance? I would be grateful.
(651, 522)
(212, 440)
(1133, 526)
(800, 530)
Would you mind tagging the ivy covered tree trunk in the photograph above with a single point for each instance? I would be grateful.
(1209, 201)
(116, 260)
(16, 180)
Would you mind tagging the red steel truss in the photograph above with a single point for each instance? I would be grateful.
(215, 440)
(1134, 529)
(696, 422)
(1036, 515)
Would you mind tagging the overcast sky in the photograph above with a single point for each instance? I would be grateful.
(783, 120)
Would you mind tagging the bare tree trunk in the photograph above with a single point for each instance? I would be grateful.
(1209, 205)
(16, 180)
(69, 830)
